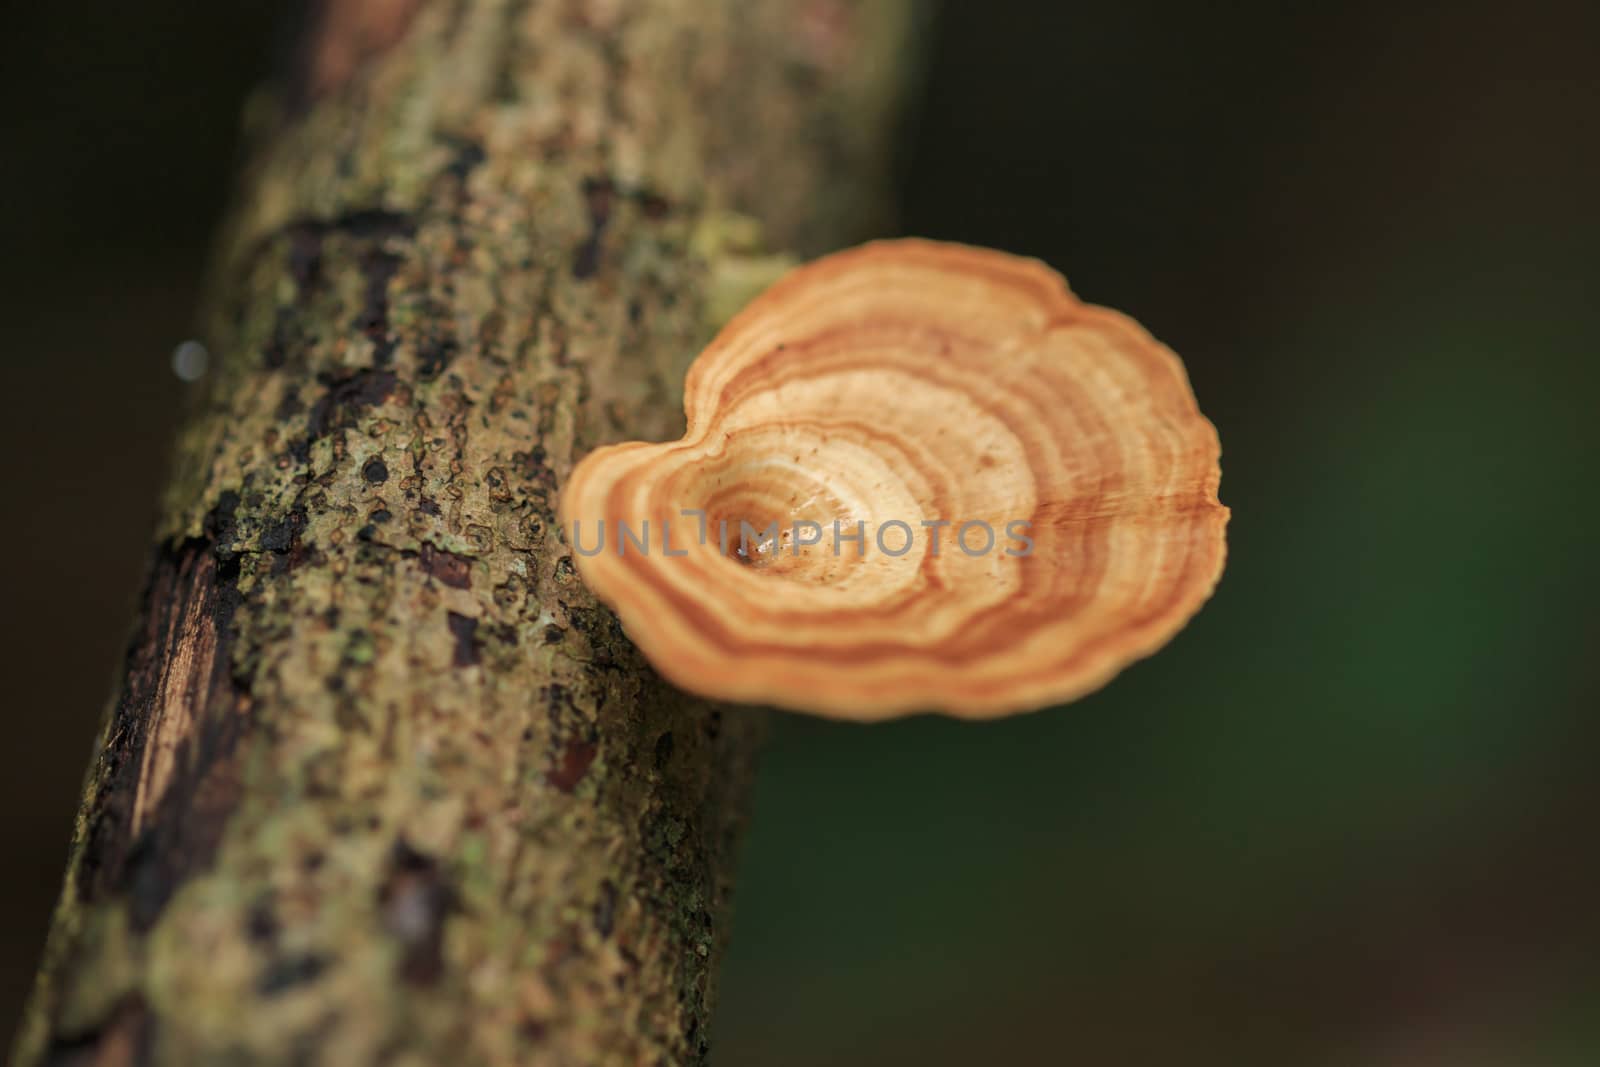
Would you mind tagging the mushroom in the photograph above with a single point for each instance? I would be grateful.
(916, 477)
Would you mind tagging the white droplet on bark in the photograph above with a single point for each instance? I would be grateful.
(189, 361)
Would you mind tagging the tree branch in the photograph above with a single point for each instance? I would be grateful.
(382, 783)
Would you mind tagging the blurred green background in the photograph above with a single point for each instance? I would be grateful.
(1346, 818)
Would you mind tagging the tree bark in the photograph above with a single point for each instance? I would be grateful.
(381, 782)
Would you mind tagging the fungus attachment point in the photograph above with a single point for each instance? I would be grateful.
(916, 476)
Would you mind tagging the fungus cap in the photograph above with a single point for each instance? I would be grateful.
(928, 392)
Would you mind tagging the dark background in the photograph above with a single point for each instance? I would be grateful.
(1348, 817)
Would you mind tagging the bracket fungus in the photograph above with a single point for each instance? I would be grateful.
(916, 477)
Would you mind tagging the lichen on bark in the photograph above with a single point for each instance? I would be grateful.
(382, 783)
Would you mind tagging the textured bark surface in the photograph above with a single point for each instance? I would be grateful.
(382, 784)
